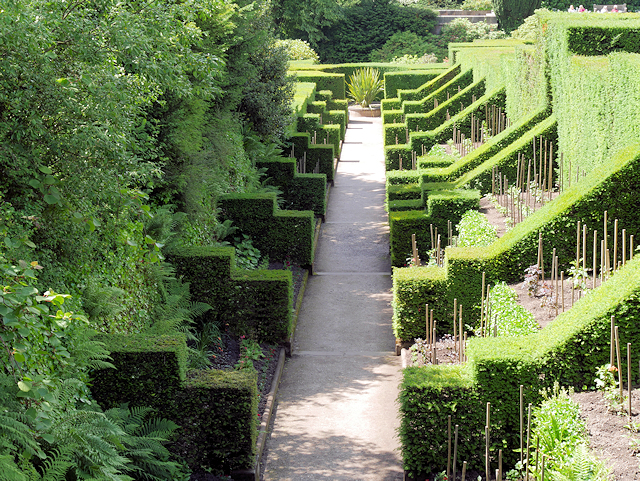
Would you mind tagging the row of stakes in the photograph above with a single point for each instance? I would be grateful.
(534, 185)
(490, 328)
(496, 122)
(301, 165)
(539, 464)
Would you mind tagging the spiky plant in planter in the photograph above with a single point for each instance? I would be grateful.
(364, 85)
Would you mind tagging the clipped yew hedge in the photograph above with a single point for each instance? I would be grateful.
(567, 351)
(216, 410)
(255, 303)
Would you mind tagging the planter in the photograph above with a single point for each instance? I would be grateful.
(358, 111)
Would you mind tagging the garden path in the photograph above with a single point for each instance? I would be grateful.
(336, 412)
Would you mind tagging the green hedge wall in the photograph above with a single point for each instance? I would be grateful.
(444, 132)
(407, 80)
(316, 107)
(482, 154)
(451, 88)
(427, 88)
(436, 117)
(257, 302)
(217, 410)
(324, 81)
(614, 187)
(300, 191)
(413, 289)
(321, 155)
(567, 351)
(442, 206)
(280, 234)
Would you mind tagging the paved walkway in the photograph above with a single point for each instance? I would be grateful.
(336, 412)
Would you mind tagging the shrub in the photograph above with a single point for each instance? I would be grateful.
(477, 5)
(511, 13)
(506, 316)
(404, 44)
(298, 49)
(364, 86)
(475, 230)
(462, 30)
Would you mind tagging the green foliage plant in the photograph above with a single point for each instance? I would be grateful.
(606, 382)
(511, 13)
(506, 316)
(364, 86)
(475, 230)
(298, 49)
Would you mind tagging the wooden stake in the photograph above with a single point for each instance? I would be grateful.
(460, 347)
(542, 478)
(449, 448)
(455, 453)
(606, 235)
(500, 465)
(528, 440)
(487, 463)
(595, 246)
(629, 375)
(428, 325)
(521, 422)
(624, 246)
(464, 471)
(613, 342)
(562, 288)
(432, 240)
(482, 302)
(615, 244)
(578, 244)
(584, 247)
(434, 353)
(619, 364)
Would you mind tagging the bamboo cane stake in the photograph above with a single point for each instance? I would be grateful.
(578, 244)
(464, 348)
(624, 246)
(584, 247)
(434, 353)
(615, 244)
(460, 347)
(455, 453)
(455, 325)
(619, 364)
(595, 244)
(487, 463)
(562, 288)
(500, 465)
(555, 274)
(482, 302)
(464, 471)
(542, 477)
(612, 341)
(432, 240)
(550, 169)
(449, 448)
(602, 265)
(528, 440)
(427, 325)
(606, 235)
(529, 183)
(629, 375)
(521, 421)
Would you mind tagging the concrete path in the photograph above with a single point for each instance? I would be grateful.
(336, 414)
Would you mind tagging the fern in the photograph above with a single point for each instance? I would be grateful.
(55, 468)
(101, 302)
(583, 466)
(9, 471)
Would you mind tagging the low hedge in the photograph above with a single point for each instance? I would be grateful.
(441, 207)
(257, 302)
(442, 94)
(567, 351)
(280, 234)
(435, 117)
(324, 81)
(409, 318)
(404, 204)
(407, 80)
(217, 410)
(324, 156)
(404, 192)
(462, 121)
(427, 88)
(300, 191)
(486, 151)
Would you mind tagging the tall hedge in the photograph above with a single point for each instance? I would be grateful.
(511, 13)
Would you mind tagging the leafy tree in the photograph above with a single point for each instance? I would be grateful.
(404, 43)
(368, 25)
(511, 13)
(306, 19)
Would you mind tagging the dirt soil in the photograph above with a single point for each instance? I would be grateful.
(609, 438)
(266, 366)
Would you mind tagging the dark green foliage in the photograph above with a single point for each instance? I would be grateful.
(430, 86)
(441, 206)
(511, 13)
(367, 26)
(393, 81)
(404, 192)
(216, 409)
(413, 289)
(403, 43)
(267, 98)
(324, 81)
(299, 191)
(585, 40)
(255, 303)
(322, 156)
(427, 398)
(277, 233)
(441, 95)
